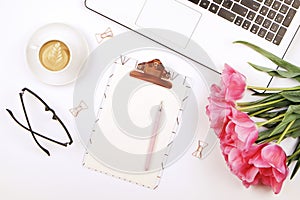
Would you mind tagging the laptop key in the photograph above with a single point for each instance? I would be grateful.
(289, 17)
(239, 9)
(218, 1)
(270, 36)
(238, 21)
(281, 31)
(204, 4)
(276, 5)
(262, 32)
(274, 27)
(271, 14)
(213, 8)
(254, 28)
(267, 23)
(251, 4)
(264, 10)
(279, 36)
(283, 9)
(227, 4)
(226, 14)
(268, 2)
(246, 24)
(259, 19)
(296, 4)
(279, 18)
(277, 40)
(288, 2)
(194, 1)
(251, 15)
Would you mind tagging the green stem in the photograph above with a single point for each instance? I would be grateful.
(260, 105)
(262, 139)
(294, 155)
(260, 124)
(266, 140)
(285, 131)
(272, 89)
(261, 111)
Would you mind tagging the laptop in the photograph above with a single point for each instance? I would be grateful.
(214, 25)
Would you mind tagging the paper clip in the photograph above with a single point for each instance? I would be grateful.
(201, 146)
(106, 34)
(75, 111)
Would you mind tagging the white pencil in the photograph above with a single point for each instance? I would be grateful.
(153, 136)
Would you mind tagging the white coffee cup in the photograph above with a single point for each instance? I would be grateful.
(55, 53)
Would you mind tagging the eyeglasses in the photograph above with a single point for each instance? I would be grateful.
(33, 133)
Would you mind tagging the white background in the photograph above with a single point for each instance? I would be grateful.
(27, 173)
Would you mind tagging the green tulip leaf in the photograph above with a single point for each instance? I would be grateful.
(293, 96)
(296, 168)
(275, 59)
(273, 72)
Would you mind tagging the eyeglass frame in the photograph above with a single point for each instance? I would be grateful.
(33, 133)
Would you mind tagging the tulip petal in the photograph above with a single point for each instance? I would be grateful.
(275, 156)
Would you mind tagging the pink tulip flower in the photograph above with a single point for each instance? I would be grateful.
(252, 163)
(233, 84)
(271, 162)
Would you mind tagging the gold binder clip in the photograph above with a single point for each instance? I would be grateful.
(106, 34)
(198, 152)
(154, 72)
(75, 111)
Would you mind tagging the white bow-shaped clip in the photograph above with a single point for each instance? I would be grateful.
(107, 34)
(201, 146)
(75, 111)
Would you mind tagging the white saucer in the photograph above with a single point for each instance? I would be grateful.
(76, 44)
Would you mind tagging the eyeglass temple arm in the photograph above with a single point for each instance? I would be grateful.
(29, 126)
(38, 134)
(51, 110)
(66, 130)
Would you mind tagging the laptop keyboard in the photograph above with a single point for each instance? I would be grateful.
(269, 19)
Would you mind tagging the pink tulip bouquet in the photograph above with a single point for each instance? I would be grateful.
(250, 133)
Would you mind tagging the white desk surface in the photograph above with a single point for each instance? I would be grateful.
(27, 173)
